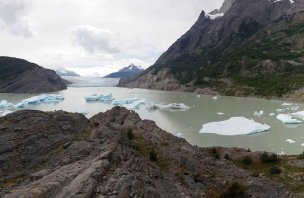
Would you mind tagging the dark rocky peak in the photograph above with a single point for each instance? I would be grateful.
(225, 7)
(242, 19)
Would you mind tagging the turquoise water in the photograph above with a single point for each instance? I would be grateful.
(203, 110)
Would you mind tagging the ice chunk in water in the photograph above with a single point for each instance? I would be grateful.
(132, 103)
(302, 144)
(286, 104)
(258, 113)
(220, 113)
(102, 98)
(272, 114)
(214, 97)
(5, 105)
(41, 99)
(280, 110)
(172, 106)
(298, 114)
(287, 119)
(290, 141)
(235, 126)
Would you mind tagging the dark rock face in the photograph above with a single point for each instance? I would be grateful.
(20, 76)
(218, 50)
(59, 154)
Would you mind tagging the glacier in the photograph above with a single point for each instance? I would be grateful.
(5, 112)
(287, 119)
(234, 126)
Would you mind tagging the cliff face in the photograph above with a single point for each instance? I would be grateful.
(116, 154)
(20, 76)
(213, 51)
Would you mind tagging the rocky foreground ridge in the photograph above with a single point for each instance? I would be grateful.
(247, 47)
(116, 154)
(21, 76)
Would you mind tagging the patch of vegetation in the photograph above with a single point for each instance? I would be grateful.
(215, 153)
(265, 157)
(130, 134)
(247, 160)
(301, 156)
(275, 170)
(153, 155)
(59, 151)
(235, 190)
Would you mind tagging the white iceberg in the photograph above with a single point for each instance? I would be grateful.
(302, 144)
(280, 110)
(295, 108)
(132, 103)
(5, 105)
(290, 141)
(272, 114)
(41, 99)
(215, 98)
(258, 113)
(172, 106)
(235, 126)
(4, 113)
(102, 98)
(287, 119)
(220, 113)
(286, 104)
(298, 114)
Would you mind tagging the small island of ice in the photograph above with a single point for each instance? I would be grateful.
(235, 126)
(172, 106)
(41, 99)
(287, 119)
(100, 98)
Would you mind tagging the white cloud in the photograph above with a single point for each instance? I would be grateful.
(106, 35)
(94, 40)
(13, 15)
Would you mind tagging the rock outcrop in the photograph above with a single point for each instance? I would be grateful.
(20, 76)
(115, 154)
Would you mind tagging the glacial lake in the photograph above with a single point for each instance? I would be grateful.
(187, 124)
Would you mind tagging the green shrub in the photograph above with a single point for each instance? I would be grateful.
(215, 153)
(130, 134)
(273, 158)
(301, 156)
(266, 158)
(235, 190)
(247, 160)
(275, 170)
(153, 155)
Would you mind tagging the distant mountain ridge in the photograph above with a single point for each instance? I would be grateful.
(248, 47)
(65, 72)
(20, 76)
(130, 71)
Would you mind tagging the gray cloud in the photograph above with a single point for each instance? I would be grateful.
(94, 40)
(13, 14)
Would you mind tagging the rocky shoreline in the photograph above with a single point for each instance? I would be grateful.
(116, 154)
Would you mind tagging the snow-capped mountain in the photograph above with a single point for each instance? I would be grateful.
(65, 72)
(129, 71)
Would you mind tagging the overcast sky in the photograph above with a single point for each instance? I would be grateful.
(95, 36)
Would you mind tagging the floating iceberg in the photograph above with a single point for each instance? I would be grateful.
(215, 98)
(5, 105)
(220, 113)
(302, 144)
(287, 119)
(280, 110)
(172, 106)
(295, 108)
(42, 99)
(286, 104)
(272, 114)
(4, 113)
(290, 141)
(101, 98)
(298, 114)
(258, 113)
(235, 126)
(132, 103)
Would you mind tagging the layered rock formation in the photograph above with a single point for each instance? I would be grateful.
(116, 154)
(20, 76)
